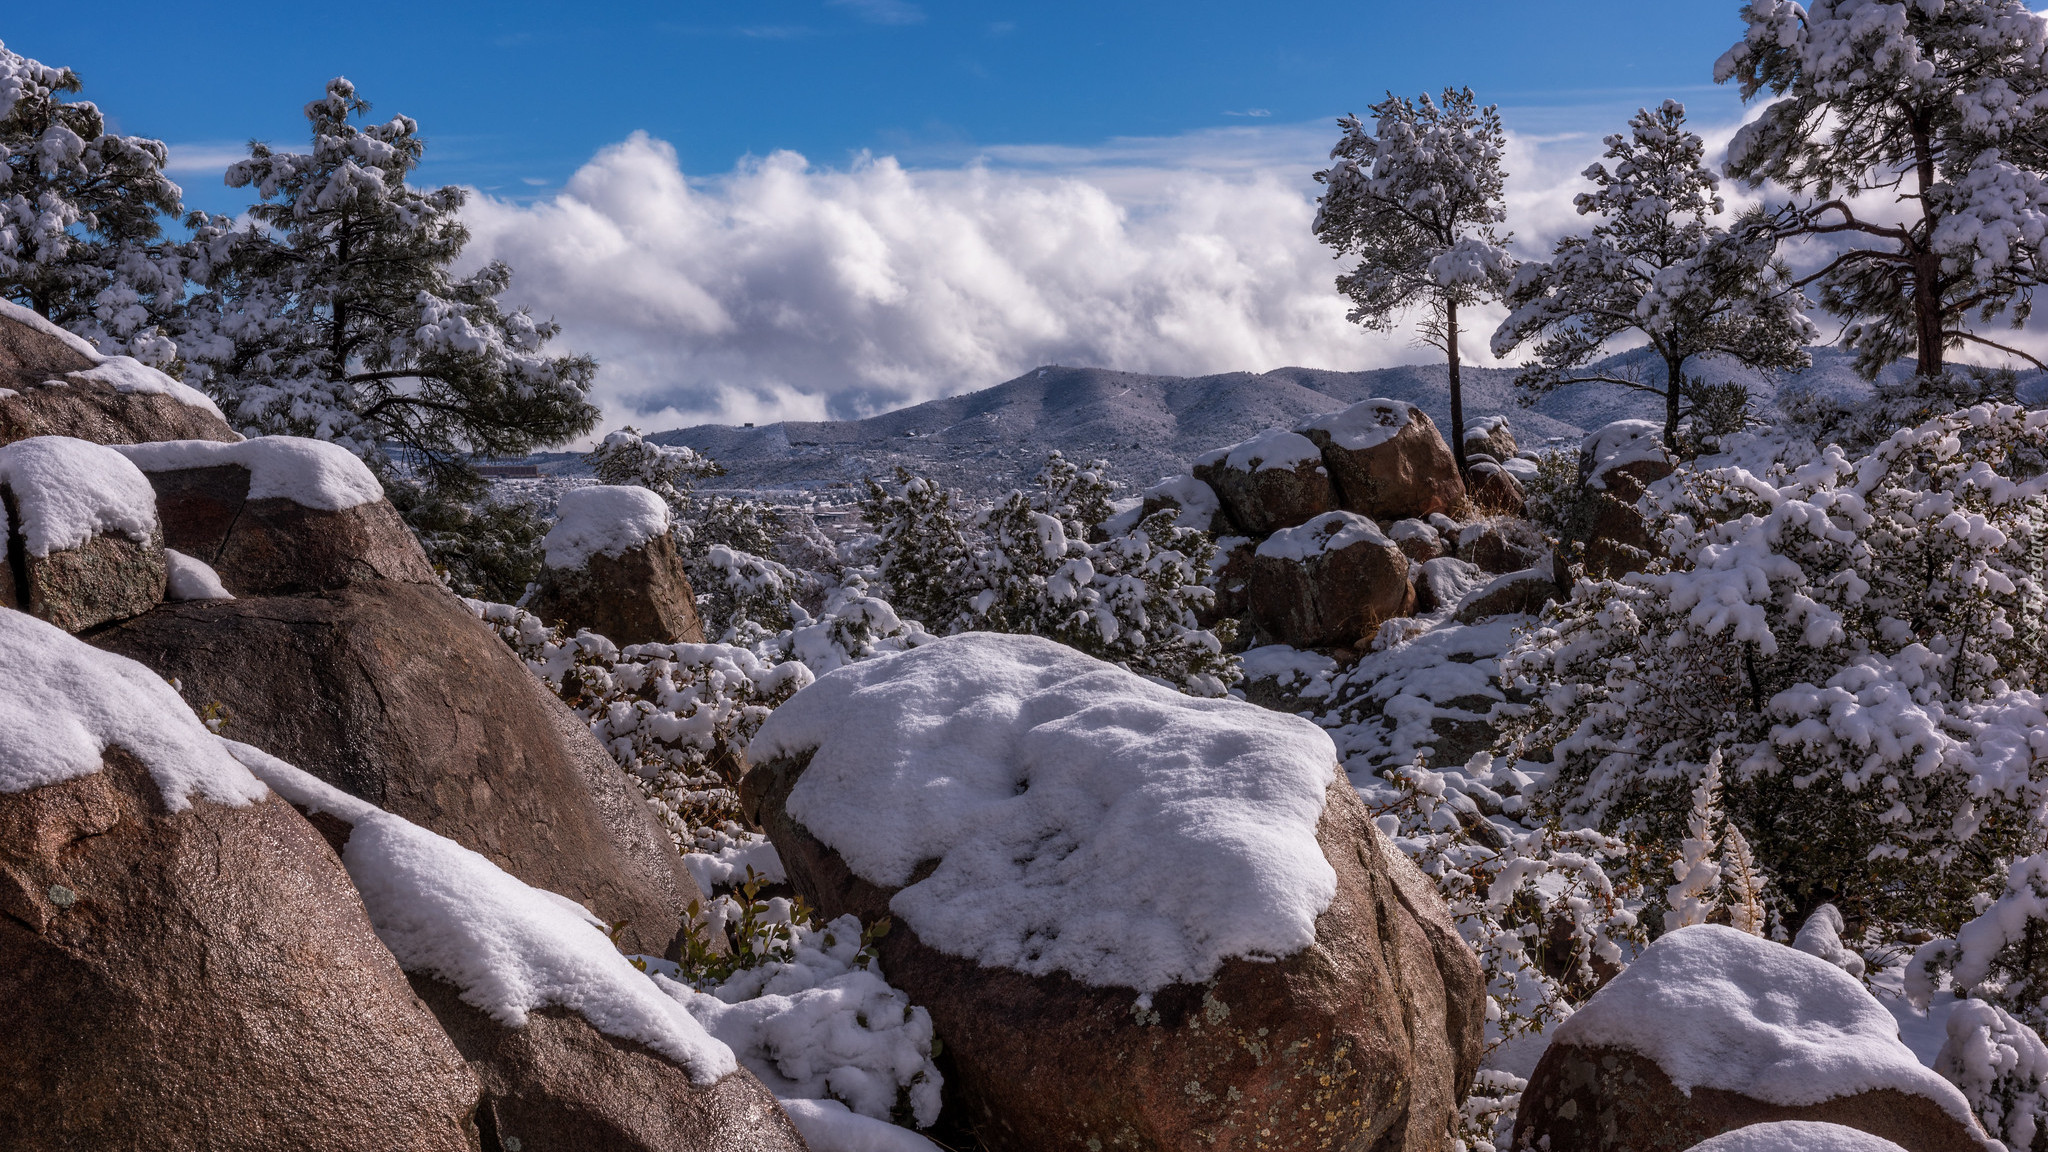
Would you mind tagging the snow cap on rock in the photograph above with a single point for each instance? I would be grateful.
(1330, 532)
(1084, 820)
(1197, 501)
(603, 519)
(67, 491)
(190, 578)
(1797, 1136)
(506, 947)
(63, 703)
(122, 373)
(312, 473)
(1276, 448)
(1718, 1008)
(1622, 442)
(1366, 424)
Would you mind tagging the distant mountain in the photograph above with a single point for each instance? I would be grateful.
(1149, 427)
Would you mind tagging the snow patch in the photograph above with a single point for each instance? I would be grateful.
(829, 1126)
(1718, 1008)
(127, 374)
(506, 947)
(33, 319)
(1197, 501)
(311, 473)
(1330, 532)
(192, 579)
(1291, 668)
(63, 703)
(1620, 443)
(1277, 448)
(1797, 1136)
(729, 864)
(1366, 424)
(603, 519)
(1084, 820)
(67, 491)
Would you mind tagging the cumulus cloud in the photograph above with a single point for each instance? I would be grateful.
(783, 289)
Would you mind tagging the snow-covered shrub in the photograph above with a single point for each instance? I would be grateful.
(625, 457)
(1999, 955)
(1861, 638)
(2002, 1068)
(484, 544)
(1044, 563)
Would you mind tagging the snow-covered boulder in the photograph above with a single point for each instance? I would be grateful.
(1501, 545)
(1711, 1030)
(183, 963)
(1617, 464)
(1489, 436)
(279, 515)
(1272, 481)
(1327, 583)
(83, 522)
(1417, 540)
(1524, 592)
(574, 1046)
(1445, 581)
(612, 567)
(1494, 489)
(1137, 918)
(394, 692)
(53, 383)
(1388, 460)
(1194, 501)
(1797, 1136)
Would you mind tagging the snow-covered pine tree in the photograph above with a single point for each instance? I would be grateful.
(920, 550)
(80, 215)
(1415, 197)
(1654, 265)
(1695, 893)
(1915, 130)
(334, 312)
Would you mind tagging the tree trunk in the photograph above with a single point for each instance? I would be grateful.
(1457, 391)
(1926, 265)
(1674, 378)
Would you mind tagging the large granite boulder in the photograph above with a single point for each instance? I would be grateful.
(395, 693)
(183, 962)
(1329, 582)
(1489, 436)
(1493, 489)
(612, 567)
(1525, 592)
(53, 383)
(1272, 481)
(1711, 1030)
(80, 530)
(1194, 503)
(279, 515)
(1388, 460)
(573, 1046)
(1138, 920)
(1617, 464)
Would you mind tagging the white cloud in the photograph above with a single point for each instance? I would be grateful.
(786, 290)
(204, 158)
(882, 11)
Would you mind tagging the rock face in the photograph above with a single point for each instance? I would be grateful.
(1526, 591)
(1617, 464)
(39, 366)
(1388, 460)
(1364, 1040)
(109, 578)
(1329, 582)
(203, 979)
(1490, 436)
(394, 693)
(1501, 545)
(559, 1083)
(1493, 490)
(80, 533)
(1273, 481)
(1711, 1030)
(639, 596)
(276, 546)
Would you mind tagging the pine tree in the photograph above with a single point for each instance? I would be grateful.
(1939, 108)
(80, 215)
(1415, 199)
(1654, 266)
(334, 312)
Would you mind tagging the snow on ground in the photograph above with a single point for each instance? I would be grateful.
(603, 519)
(507, 948)
(1387, 706)
(1303, 674)
(1366, 424)
(729, 863)
(67, 491)
(312, 473)
(829, 1126)
(1329, 532)
(122, 373)
(1084, 820)
(64, 702)
(1718, 1008)
(191, 579)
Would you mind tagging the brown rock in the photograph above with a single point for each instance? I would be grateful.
(1494, 490)
(1501, 546)
(275, 546)
(1388, 460)
(1328, 583)
(34, 364)
(1490, 436)
(1526, 591)
(1445, 581)
(1618, 539)
(1233, 580)
(1273, 481)
(557, 1082)
(1416, 540)
(639, 596)
(394, 693)
(106, 578)
(1608, 1100)
(1364, 1040)
(202, 980)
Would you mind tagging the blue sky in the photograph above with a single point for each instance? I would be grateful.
(514, 96)
(829, 208)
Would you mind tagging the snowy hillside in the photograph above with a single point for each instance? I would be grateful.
(1149, 427)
